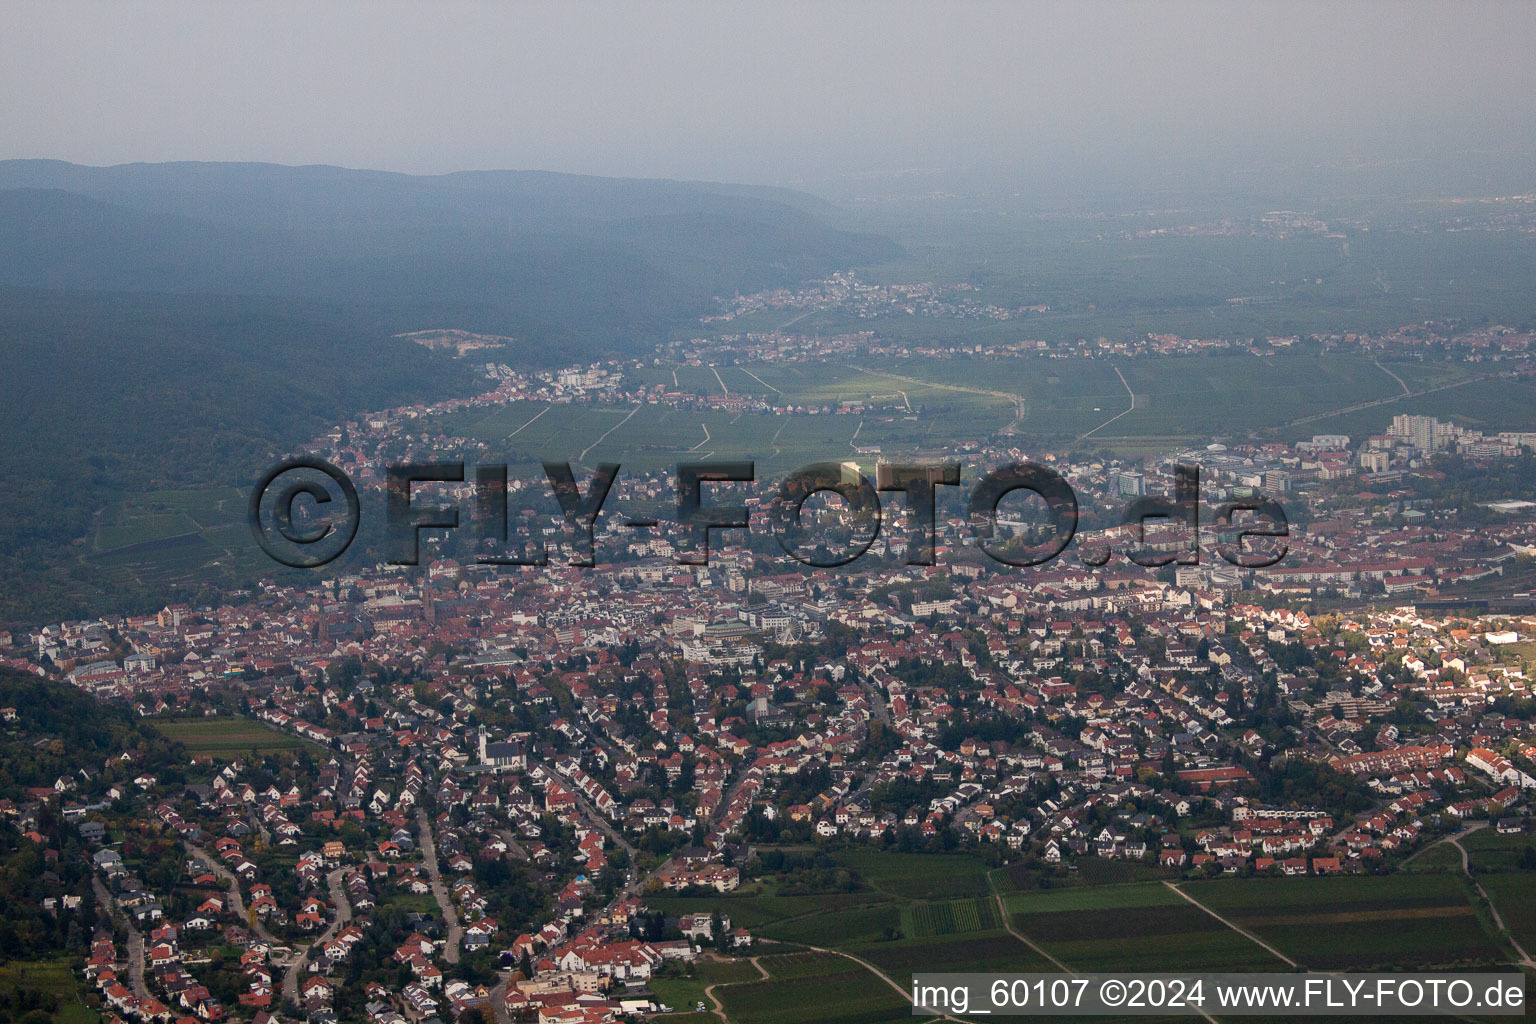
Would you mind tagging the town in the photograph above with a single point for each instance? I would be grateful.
(419, 793)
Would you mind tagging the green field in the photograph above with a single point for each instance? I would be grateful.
(751, 911)
(1138, 927)
(680, 992)
(1090, 871)
(850, 995)
(950, 918)
(689, 1018)
(927, 406)
(1515, 897)
(799, 965)
(1083, 897)
(837, 927)
(172, 538)
(51, 978)
(228, 738)
(980, 951)
(1438, 858)
(919, 876)
(1489, 851)
(1358, 922)
(912, 922)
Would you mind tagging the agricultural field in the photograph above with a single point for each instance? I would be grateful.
(953, 917)
(148, 518)
(926, 406)
(1357, 922)
(846, 994)
(1438, 858)
(1189, 396)
(756, 912)
(919, 876)
(1090, 871)
(1489, 851)
(724, 972)
(144, 529)
(1137, 927)
(23, 980)
(838, 927)
(227, 738)
(978, 951)
(799, 965)
(1515, 897)
(170, 538)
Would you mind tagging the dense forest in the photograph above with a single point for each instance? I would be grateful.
(179, 325)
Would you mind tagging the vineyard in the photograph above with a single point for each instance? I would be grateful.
(954, 917)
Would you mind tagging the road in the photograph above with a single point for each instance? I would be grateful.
(439, 890)
(514, 848)
(770, 387)
(881, 712)
(877, 972)
(498, 994)
(135, 939)
(601, 822)
(709, 991)
(1128, 410)
(876, 700)
(1241, 931)
(1421, 851)
(236, 899)
(1406, 389)
(343, 915)
(1002, 910)
(610, 430)
(260, 826)
(498, 999)
(1466, 868)
(1388, 401)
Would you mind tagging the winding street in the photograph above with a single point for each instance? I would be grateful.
(439, 890)
(236, 899)
(135, 939)
(343, 915)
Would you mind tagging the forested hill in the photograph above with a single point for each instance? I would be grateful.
(176, 325)
(571, 265)
(61, 732)
(116, 393)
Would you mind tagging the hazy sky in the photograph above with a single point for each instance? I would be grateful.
(763, 93)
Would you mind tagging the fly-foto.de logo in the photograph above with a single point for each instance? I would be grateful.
(331, 515)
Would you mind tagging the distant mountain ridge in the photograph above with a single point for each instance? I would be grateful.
(585, 264)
